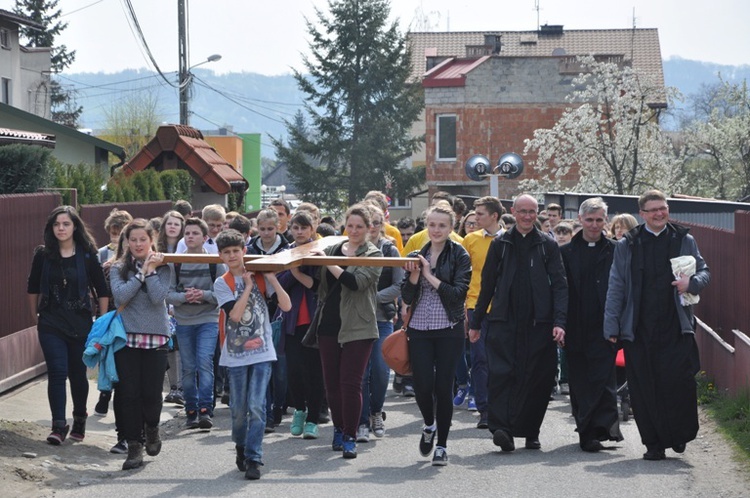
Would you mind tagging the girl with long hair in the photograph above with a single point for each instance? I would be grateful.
(140, 279)
(64, 272)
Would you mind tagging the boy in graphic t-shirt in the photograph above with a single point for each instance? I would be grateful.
(246, 347)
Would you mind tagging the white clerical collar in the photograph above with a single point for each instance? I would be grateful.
(652, 232)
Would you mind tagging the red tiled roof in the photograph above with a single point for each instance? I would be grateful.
(451, 72)
(188, 145)
(638, 46)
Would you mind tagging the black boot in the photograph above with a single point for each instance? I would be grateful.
(78, 432)
(153, 442)
(240, 460)
(135, 456)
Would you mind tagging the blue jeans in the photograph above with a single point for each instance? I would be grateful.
(479, 369)
(276, 395)
(375, 380)
(64, 358)
(247, 405)
(197, 345)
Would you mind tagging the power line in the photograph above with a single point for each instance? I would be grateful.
(81, 8)
(240, 103)
(87, 86)
(133, 21)
(222, 126)
(204, 84)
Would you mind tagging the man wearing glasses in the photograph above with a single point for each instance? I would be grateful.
(647, 312)
(524, 280)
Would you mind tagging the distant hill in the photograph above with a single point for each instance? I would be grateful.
(254, 103)
(246, 102)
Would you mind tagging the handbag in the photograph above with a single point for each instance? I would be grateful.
(395, 349)
(310, 339)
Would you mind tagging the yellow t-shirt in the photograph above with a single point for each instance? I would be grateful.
(476, 244)
(419, 239)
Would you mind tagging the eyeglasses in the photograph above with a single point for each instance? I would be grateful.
(525, 212)
(661, 209)
(377, 223)
(471, 223)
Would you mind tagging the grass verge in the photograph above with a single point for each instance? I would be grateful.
(731, 413)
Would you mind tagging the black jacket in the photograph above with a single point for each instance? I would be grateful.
(548, 283)
(453, 268)
(575, 337)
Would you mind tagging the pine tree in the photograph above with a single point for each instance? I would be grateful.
(360, 104)
(65, 109)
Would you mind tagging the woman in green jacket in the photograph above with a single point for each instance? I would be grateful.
(347, 327)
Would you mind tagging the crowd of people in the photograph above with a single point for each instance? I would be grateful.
(501, 310)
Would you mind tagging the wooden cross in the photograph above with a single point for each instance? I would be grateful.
(297, 256)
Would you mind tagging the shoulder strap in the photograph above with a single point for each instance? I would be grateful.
(212, 269)
(177, 267)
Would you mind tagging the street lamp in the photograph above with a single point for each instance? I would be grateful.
(186, 82)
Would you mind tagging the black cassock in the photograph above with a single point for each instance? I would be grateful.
(591, 358)
(661, 362)
(521, 358)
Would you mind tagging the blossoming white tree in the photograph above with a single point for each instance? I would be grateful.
(611, 132)
(718, 148)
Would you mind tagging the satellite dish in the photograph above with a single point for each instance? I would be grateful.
(477, 167)
(510, 165)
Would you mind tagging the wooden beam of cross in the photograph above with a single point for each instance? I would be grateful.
(297, 256)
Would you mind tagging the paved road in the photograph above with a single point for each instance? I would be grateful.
(202, 463)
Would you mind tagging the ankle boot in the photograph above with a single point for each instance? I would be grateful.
(240, 460)
(59, 432)
(135, 456)
(78, 432)
(153, 442)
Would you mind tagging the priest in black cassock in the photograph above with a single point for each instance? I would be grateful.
(591, 358)
(648, 310)
(524, 280)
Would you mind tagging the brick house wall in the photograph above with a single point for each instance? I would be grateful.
(502, 102)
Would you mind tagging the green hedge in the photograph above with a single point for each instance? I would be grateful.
(24, 168)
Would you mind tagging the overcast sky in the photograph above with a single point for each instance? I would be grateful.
(268, 37)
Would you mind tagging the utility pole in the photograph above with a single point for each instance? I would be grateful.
(184, 69)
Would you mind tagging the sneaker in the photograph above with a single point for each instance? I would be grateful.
(179, 397)
(427, 441)
(409, 391)
(78, 432)
(363, 433)
(471, 405)
(59, 433)
(102, 406)
(483, 421)
(171, 396)
(120, 448)
(204, 419)
(252, 470)
(277, 413)
(564, 388)
(440, 458)
(376, 422)
(310, 431)
(460, 397)
(338, 439)
(269, 429)
(192, 419)
(349, 447)
(398, 384)
(324, 416)
(225, 398)
(298, 422)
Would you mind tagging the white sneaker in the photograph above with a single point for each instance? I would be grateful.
(363, 434)
(376, 422)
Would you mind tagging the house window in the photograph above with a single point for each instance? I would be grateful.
(5, 91)
(401, 202)
(446, 137)
(5, 38)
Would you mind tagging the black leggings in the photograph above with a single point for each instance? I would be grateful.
(433, 361)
